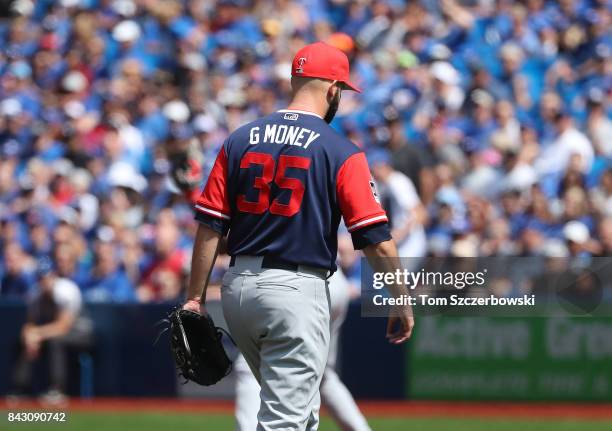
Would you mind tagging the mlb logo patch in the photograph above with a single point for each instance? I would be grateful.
(291, 116)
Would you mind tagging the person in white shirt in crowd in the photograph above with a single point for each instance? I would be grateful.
(569, 142)
(599, 125)
(406, 213)
(55, 323)
(446, 80)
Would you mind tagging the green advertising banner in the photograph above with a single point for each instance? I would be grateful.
(511, 358)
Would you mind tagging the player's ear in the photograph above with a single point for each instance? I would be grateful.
(332, 90)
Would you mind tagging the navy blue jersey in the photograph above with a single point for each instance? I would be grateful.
(280, 186)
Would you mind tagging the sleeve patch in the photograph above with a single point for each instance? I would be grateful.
(357, 194)
(374, 191)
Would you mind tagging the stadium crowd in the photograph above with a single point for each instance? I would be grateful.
(497, 113)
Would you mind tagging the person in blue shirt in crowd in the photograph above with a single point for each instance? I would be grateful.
(108, 282)
(15, 280)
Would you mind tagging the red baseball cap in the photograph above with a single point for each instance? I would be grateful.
(320, 60)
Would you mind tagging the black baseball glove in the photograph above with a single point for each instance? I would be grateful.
(197, 347)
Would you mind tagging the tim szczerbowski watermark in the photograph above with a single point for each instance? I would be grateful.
(497, 285)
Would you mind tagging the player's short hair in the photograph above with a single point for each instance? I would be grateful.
(299, 82)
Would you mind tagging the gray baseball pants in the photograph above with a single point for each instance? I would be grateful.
(334, 395)
(280, 321)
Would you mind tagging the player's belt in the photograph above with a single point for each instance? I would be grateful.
(273, 262)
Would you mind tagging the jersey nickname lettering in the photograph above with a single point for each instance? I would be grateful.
(280, 186)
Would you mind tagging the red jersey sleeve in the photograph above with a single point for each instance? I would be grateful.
(356, 194)
(214, 201)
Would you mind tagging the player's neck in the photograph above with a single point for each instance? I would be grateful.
(307, 103)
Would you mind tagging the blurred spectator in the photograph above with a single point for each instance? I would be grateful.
(16, 281)
(108, 282)
(569, 142)
(66, 259)
(410, 160)
(163, 276)
(599, 125)
(578, 239)
(55, 324)
(399, 198)
(605, 233)
(349, 262)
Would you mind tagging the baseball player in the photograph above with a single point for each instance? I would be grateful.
(334, 394)
(278, 189)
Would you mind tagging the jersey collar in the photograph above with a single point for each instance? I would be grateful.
(299, 112)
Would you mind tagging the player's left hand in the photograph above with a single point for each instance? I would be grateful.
(400, 324)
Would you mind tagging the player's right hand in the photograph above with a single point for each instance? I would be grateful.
(193, 305)
(400, 324)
